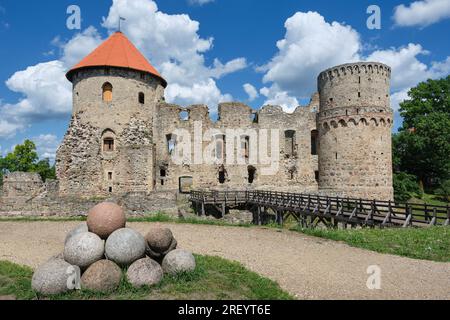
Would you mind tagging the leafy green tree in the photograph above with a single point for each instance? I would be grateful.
(45, 170)
(422, 147)
(444, 190)
(406, 187)
(24, 158)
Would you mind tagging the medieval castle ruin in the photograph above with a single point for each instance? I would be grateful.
(124, 138)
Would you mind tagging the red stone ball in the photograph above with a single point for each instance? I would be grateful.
(105, 218)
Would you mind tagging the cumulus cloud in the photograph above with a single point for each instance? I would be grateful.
(46, 94)
(174, 46)
(79, 46)
(171, 42)
(310, 46)
(46, 146)
(278, 97)
(422, 13)
(251, 91)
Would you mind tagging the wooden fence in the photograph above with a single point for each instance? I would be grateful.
(310, 210)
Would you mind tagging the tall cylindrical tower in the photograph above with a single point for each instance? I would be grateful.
(108, 148)
(354, 123)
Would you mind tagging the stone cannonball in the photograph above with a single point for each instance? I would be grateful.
(125, 246)
(159, 239)
(84, 249)
(145, 272)
(105, 218)
(51, 278)
(79, 229)
(103, 276)
(178, 261)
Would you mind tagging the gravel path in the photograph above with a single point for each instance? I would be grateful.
(307, 267)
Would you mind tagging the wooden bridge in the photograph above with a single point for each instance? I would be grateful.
(310, 210)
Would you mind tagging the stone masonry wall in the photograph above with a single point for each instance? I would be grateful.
(355, 123)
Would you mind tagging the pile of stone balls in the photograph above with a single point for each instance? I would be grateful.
(101, 248)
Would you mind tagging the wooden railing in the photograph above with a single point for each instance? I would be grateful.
(330, 210)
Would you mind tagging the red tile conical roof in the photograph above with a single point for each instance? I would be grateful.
(116, 51)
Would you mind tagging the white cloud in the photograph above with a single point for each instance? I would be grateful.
(199, 2)
(310, 46)
(277, 97)
(173, 45)
(79, 46)
(171, 41)
(407, 70)
(422, 13)
(198, 93)
(251, 91)
(46, 146)
(46, 94)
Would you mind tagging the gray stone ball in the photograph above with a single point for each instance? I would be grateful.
(103, 276)
(82, 228)
(145, 272)
(51, 278)
(125, 246)
(84, 249)
(178, 261)
(159, 239)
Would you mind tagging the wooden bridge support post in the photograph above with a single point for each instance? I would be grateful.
(224, 209)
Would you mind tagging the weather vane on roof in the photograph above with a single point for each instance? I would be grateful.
(120, 21)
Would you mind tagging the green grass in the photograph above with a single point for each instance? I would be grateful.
(430, 199)
(424, 243)
(214, 279)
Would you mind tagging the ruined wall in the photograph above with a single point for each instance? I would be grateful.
(84, 167)
(296, 170)
(355, 123)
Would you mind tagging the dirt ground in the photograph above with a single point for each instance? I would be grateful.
(307, 267)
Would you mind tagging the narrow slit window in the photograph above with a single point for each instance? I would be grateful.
(314, 142)
(141, 98)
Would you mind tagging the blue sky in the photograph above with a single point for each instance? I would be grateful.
(208, 51)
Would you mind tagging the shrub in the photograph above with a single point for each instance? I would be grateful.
(406, 187)
(444, 191)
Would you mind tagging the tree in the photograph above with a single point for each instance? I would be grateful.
(24, 158)
(422, 147)
(405, 187)
(444, 190)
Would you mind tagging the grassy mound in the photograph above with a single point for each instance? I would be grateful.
(214, 279)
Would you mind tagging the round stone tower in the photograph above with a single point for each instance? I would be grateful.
(109, 145)
(354, 124)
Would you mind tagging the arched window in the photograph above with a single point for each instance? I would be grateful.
(141, 98)
(107, 92)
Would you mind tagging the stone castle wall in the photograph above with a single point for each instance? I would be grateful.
(25, 194)
(340, 144)
(296, 168)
